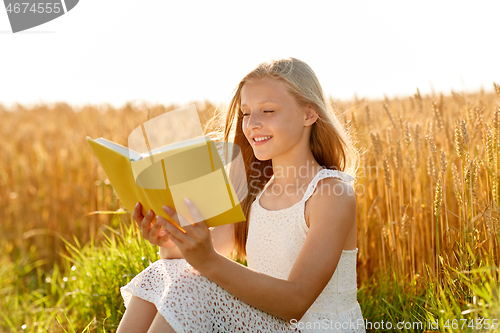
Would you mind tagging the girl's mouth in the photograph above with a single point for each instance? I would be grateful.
(261, 140)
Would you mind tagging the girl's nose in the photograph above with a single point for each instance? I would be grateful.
(254, 121)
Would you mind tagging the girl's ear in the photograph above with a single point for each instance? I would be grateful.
(310, 116)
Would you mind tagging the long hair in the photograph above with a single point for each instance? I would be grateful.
(330, 144)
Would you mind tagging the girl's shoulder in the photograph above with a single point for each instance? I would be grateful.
(333, 190)
(328, 180)
(333, 173)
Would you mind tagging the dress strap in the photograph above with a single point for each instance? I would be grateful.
(264, 188)
(325, 173)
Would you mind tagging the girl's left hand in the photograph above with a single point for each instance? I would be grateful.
(196, 244)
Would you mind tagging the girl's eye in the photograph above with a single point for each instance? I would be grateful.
(247, 114)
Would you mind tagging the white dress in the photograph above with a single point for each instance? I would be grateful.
(192, 303)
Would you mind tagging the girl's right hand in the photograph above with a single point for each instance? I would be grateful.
(154, 233)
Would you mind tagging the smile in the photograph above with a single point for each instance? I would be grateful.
(261, 140)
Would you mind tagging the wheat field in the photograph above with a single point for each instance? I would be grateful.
(52, 184)
(428, 188)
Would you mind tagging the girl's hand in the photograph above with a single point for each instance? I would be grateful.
(154, 233)
(196, 243)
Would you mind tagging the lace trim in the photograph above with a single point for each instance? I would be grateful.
(191, 303)
(310, 188)
(322, 174)
(350, 321)
(325, 173)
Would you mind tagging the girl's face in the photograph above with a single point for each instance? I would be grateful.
(271, 115)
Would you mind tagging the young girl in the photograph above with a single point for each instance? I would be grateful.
(299, 238)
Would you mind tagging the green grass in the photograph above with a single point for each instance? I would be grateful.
(81, 294)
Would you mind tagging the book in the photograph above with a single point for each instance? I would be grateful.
(166, 175)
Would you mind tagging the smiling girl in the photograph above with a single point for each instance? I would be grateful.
(299, 238)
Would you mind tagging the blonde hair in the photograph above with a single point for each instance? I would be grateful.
(330, 144)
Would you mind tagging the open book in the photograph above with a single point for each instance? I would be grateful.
(166, 175)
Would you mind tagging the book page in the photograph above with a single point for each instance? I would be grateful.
(169, 128)
(209, 194)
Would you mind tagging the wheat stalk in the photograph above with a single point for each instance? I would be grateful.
(368, 118)
(377, 145)
(417, 143)
(497, 89)
(437, 212)
(407, 135)
(386, 107)
(457, 186)
(431, 168)
(444, 166)
(431, 144)
(437, 116)
(387, 174)
(398, 158)
(459, 140)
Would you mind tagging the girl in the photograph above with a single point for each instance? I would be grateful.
(299, 238)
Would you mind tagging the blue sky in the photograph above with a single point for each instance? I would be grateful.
(164, 51)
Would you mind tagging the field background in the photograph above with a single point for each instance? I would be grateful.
(428, 212)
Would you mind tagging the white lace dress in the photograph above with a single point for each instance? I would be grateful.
(192, 303)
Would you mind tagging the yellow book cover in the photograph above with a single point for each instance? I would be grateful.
(166, 175)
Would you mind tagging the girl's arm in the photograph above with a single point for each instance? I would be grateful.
(332, 217)
(170, 253)
(223, 239)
